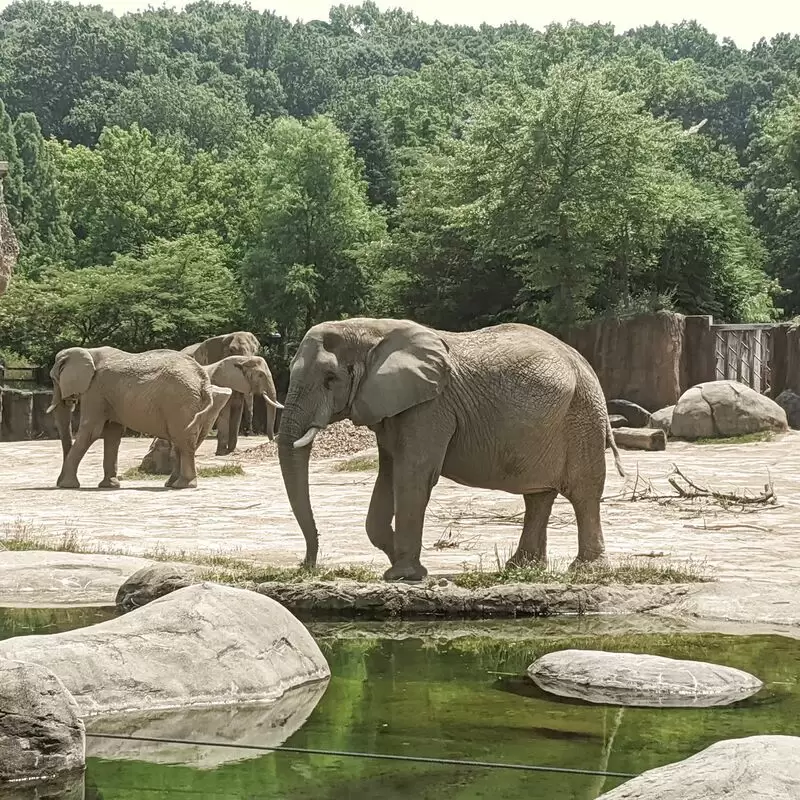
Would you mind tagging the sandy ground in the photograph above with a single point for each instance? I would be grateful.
(250, 515)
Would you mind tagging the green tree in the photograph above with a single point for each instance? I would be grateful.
(43, 222)
(13, 190)
(177, 292)
(303, 264)
(128, 191)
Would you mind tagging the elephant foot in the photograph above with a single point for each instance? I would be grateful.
(221, 452)
(589, 560)
(68, 483)
(413, 572)
(522, 560)
(182, 483)
(109, 483)
(172, 478)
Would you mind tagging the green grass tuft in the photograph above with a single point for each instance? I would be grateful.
(358, 464)
(231, 470)
(623, 572)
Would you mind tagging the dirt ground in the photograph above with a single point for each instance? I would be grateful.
(250, 514)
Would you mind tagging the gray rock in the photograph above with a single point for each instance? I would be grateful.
(41, 733)
(752, 768)
(636, 416)
(632, 679)
(790, 403)
(158, 459)
(153, 581)
(617, 421)
(725, 408)
(204, 645)
(663, 419)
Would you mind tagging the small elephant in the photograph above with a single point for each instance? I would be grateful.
(238, 343)
(245, 375)
(508, 407)
(158, 392)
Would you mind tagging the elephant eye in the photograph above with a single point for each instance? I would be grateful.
(330, 377)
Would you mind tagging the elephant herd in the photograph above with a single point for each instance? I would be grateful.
(508, 407)
(175, 396)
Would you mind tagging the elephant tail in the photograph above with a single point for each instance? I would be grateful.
(614, 449)
(197, 420)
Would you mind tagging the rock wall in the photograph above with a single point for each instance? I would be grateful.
(640, 358)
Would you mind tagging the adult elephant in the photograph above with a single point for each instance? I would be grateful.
(159, 392)
(238, 343)
(244, 375)
(508, 407)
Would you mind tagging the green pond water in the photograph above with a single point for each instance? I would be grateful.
(456, 690)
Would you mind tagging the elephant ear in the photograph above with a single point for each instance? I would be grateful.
(73, 371)
(409, 366)
(250, 366)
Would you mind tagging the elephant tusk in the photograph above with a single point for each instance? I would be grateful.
(270, 402)
(307, 437)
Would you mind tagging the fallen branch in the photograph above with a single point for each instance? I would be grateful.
(693, 491)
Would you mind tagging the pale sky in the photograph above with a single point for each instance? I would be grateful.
(744, 21)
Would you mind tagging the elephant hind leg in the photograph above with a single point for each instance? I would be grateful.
(591, 544)
(187, 478)
(112, 437)
(532, 545)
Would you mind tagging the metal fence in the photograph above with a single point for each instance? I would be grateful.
(744, 353)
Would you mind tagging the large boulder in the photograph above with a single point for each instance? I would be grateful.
(203, 645)
(41, 733)
(752, 768)
(725, 408)
(154, 581)
(158, 459)
(636, 416)
(663, 419)
(790, 403)
(631, 679)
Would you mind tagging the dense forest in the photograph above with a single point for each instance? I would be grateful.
(174, 174)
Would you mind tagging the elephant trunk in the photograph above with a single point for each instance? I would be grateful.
(62, 413)
(294, 469)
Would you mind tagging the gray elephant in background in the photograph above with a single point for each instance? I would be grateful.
(245, 375)
(159, 392)
(238, 343)
(508, 407)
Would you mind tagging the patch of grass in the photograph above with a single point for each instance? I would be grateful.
(221, 567)
(745, 438)
(623, 572)
(230, 470)
(365, 463)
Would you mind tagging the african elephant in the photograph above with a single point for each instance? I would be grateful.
(238, 343)
(159, 392)
(244, 375)
(508, 407)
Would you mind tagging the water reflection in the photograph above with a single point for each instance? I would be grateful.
(258, 724)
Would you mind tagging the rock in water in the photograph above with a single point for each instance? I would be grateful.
(752, 768)
(203, 645)
(41, 733)
(631, 679)
(725, 408)
(153, 581)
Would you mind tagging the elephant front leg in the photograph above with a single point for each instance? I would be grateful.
(236, 405)
(68, 479)
(412, 485)
(381, 507)
(112, 437)
(532, 545)
(223, 430)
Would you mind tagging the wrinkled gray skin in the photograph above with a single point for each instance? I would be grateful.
(160, 392)
(238, 343)
(508, 407)
(245, 375)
